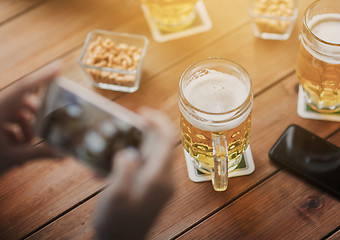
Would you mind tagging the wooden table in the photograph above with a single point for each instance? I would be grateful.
(55, 200)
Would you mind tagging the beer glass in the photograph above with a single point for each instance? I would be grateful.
(171, 15)
(318, 66)
(215, 101)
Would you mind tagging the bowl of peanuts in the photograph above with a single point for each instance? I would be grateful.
(273, 19)
(113, 60)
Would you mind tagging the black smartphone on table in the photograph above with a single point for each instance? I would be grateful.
(309, 156)
(84, 124)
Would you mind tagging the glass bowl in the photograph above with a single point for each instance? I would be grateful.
(273, 19)
(113, 60)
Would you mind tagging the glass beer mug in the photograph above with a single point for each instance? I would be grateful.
(171, 15)
(318, 66)
(215, 101)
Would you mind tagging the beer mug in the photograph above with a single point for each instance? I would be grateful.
(215, 101)
(171, 15)
(318, 66)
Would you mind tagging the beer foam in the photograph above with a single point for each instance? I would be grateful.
(326, 27)
(216, 92)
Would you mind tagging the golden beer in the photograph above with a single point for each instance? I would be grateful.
(318, 66)
(171, 15)
(198, 143)
(215, 101)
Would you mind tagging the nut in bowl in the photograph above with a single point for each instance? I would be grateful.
(113, 60)
(273, 19)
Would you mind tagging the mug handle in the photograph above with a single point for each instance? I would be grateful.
(220, 172)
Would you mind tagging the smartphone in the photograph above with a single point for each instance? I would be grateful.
(90, 127)
(310, 156)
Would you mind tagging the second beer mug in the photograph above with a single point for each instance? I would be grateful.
(171, 15)
(215, 101)
(318, 66)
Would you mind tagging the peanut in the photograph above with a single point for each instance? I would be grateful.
(106, 53)
(276, 8)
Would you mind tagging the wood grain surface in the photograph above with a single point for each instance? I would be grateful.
(49, 199)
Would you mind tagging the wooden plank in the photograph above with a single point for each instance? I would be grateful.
(10, 9)
(334, 236)
(75, 227)
(242, 48)
(170, 102)
(296, 209)
(161, 92)
(335, 139)
(266, 61)
(162, 99)
(186, 208)
(283, 207)
(268, 123)
(65, 26)
(38, 191)
(55, 28)
(31, 225)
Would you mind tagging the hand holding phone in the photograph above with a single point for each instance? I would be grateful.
(309, 156)
(138, 191)
(86, 125)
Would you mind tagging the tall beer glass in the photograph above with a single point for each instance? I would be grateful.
(215, 101)
(318, 66)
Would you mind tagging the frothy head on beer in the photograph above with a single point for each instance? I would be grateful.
(216, 95)
(215, 92)
(326, 27)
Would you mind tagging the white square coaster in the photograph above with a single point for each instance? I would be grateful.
(202, 23)
(245, 167)
(306, 112)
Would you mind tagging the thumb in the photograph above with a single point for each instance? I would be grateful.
(125, 164)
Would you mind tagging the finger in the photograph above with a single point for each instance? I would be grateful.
(125, 164)
(164, 142)
(24, 120)
(10, 134)
(31, 103)
(26, 125)
(155, 175)
(161, 123)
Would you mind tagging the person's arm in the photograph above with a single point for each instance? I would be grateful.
(18, 106)
(139, 189)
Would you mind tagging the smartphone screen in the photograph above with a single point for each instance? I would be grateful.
(309, 156)
(77, 124)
